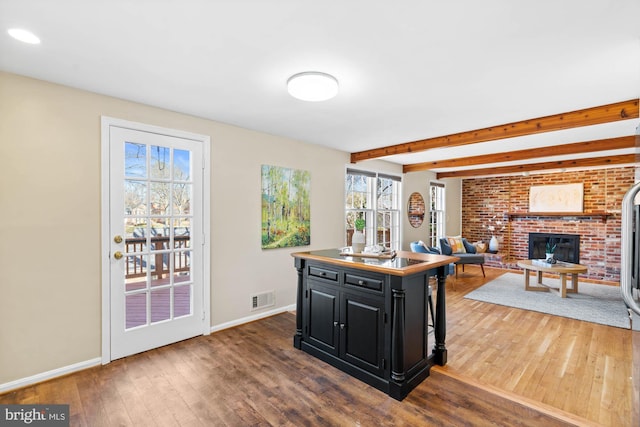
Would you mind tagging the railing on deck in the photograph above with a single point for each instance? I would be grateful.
(136, 266)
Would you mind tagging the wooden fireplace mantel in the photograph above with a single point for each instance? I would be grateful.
(599, 214)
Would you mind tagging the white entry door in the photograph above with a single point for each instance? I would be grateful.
(155, 239)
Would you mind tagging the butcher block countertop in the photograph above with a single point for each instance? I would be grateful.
(404, 263)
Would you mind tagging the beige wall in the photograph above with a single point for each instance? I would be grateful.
(453, 208)
(415, 182)
(50, 218)
(419, 182)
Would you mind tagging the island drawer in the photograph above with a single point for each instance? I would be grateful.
(323, 273)
(363, 281)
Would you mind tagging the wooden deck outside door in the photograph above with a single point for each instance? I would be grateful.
(155, 239)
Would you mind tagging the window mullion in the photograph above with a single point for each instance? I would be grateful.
(374, 214)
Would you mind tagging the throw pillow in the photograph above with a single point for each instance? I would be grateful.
(457, 247)
(481, 247)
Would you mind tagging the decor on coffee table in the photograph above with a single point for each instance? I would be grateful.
(550, 249)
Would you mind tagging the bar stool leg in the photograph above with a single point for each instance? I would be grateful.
(431, 312)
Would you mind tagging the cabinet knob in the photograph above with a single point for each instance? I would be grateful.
(361, 282)
(341, 325)
(335, 324)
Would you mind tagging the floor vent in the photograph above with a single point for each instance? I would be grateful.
(265, 299)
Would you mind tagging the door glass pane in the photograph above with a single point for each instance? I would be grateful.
(159, 269)
(136, 314)
(135, 160)
(181, 266)
(181, 199)
(160, 167)
(182, 300)
(160, 198)
(135, 272)
(135, 197)
(160, 305)
(160, 234)
(181, 165)
(135, 232)
(181, 233)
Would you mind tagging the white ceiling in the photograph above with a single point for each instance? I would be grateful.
(408, 70)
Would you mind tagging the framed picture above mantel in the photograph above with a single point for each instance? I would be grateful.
(556, 198)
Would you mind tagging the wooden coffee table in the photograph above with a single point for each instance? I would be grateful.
(561, 268)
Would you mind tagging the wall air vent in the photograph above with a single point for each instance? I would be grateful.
(265, 299)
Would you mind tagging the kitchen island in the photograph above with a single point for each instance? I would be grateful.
(369, 317)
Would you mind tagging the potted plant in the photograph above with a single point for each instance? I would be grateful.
(549, 250)
(358, 239)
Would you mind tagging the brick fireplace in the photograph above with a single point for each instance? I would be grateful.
(502, 203)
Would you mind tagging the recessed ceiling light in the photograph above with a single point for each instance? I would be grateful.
(312, 86)
(24, 35)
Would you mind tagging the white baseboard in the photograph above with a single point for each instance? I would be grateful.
(238, 322)
(24, 382)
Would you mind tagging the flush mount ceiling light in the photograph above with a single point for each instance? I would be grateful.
(312, 86)
(24, 36)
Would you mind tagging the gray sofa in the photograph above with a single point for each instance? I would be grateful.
(420, 248)
(471, 257)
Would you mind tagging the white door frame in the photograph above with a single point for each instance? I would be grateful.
(106, 123)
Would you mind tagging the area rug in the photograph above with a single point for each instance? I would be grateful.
(593, 303)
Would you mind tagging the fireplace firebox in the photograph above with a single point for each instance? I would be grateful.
(567, 246)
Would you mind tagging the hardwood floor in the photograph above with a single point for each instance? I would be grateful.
(580, 367)
(505, 367)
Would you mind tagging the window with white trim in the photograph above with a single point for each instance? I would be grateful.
(374, 197)
(436, 212)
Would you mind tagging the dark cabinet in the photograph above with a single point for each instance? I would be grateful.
(362, 331)
(371, 324)
(322, 317)
(346, 324)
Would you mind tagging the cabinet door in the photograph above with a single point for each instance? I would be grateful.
(321, 328)
(362, 331)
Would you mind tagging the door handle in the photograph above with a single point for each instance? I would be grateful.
(117, 254)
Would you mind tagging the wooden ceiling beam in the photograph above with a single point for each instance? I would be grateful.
(577, 163)
(590, 116)
(556, 150)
